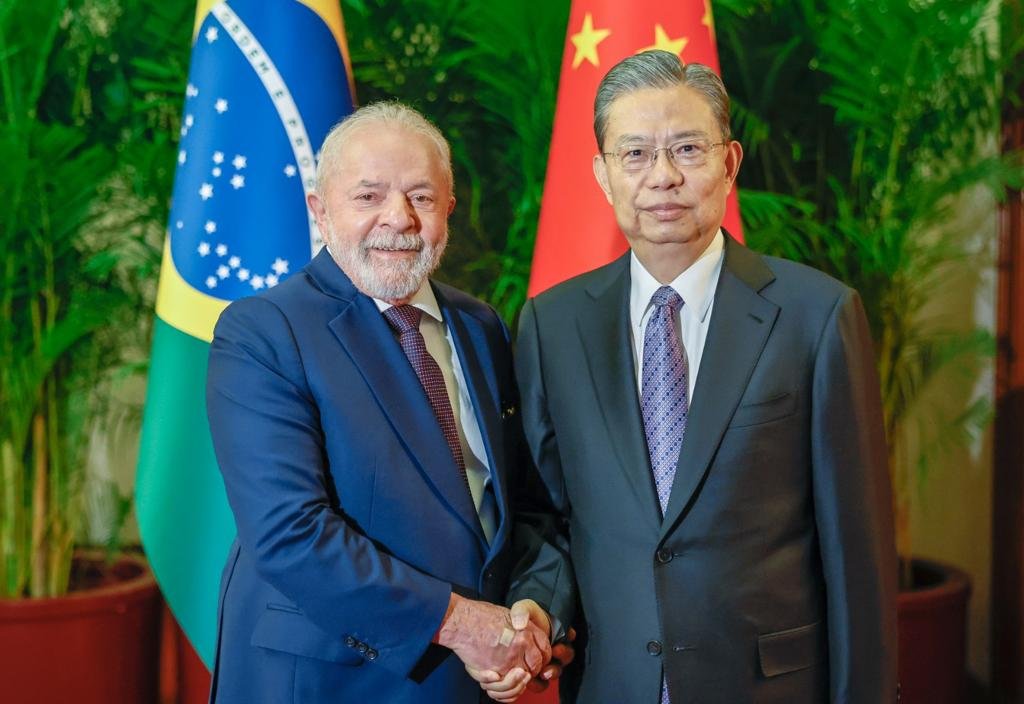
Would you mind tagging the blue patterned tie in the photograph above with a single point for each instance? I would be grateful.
(663, 398)
(663, 390)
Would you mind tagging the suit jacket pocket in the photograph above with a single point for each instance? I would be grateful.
(758, 412)
(791, 650)
(285, 629)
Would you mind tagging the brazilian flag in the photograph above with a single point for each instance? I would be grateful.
(267, 81)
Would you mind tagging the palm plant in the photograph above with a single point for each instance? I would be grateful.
(869, 182)
(75, 264)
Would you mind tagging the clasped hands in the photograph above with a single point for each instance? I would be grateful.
(506, 650)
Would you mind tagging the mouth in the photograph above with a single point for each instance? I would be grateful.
(665, 211)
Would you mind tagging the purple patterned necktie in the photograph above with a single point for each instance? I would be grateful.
(663, 398)
(406, 321)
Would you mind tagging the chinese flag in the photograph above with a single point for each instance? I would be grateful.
(577, 230)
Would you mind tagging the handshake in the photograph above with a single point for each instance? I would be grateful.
(506, 650)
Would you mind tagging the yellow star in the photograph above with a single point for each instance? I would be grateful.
(708, 20)
(586, 41)
(663, 42)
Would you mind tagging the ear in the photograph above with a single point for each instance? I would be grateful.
(451, 205)
(733, 158)
(601, 174)
(318, 208)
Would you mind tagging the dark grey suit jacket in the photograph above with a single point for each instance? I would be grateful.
(772, 577)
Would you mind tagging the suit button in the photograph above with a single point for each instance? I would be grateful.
(654, 647)
(371, 654)
(664, 556)
(489, 575)
(350, 641)
(362, 647)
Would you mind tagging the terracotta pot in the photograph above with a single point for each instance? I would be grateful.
(932, 626)
(94, 646)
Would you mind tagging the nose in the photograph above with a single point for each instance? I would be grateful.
(664, 173)
(398, 213)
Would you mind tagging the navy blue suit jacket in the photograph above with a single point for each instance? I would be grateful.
(354, 525)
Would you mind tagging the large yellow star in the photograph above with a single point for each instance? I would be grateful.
(586, 41)
(708, 20)
(663, 42)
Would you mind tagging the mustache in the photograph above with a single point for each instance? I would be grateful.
(393, 241)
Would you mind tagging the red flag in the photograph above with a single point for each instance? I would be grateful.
(577, 230)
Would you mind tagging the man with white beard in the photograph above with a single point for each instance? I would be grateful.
(365, 422)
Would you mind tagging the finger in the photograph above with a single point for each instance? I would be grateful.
(523, 611)
(563, 653)
(513, 680)
(512, 694)
(483, 676)
(571, 635)
(551, 671)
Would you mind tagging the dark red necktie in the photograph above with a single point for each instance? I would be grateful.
(406, 321)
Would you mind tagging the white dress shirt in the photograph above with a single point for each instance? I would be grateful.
(438, 339)
(696, 286)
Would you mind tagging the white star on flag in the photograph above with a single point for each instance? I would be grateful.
(191, 91)
(206, 191)
(203, 249)
(234, 262)
(184, 130)
(210, 227)
(289, 171)
(211, 35)
(271, 280)
(221, 106)
(238, 162)
(179, 224)
(237, 181)
(189, 120)
(223, 272)
(215, 171)
(218, 157)
(280, 266)
(182, 156)
(211, 281)
(221, 250)
(243, 274)
(256, 282)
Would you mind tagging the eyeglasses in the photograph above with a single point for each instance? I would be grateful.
(686, 154)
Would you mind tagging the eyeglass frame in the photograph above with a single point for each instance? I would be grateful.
(668, 152)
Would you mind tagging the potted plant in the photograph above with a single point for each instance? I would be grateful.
(76, 267)
(873, 129)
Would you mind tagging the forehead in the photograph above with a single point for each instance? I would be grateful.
(659, 113)
(382, 152)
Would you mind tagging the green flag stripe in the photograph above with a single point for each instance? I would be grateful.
(183, 513)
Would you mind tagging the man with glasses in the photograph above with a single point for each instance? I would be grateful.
(707, 422)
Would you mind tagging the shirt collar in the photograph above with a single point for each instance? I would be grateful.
(695, 285)
(423, 299)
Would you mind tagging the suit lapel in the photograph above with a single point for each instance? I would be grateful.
(470, 339)
(366, 337)
(608, 347)
(740, 324)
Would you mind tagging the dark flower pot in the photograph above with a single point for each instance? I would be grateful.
(932, 626)
(97, 645)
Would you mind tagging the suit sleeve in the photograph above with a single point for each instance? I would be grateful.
(543, 571)
(853, 509)
(270, 447)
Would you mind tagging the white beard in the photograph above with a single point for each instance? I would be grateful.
(387, 280)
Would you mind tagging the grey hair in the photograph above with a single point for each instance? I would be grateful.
(389, 113)
(659, 69)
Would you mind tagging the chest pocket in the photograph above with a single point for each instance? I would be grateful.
(775, 407)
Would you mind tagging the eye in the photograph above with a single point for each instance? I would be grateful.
(422, 199)
(367, 197)
(635, 155)
(688, 150)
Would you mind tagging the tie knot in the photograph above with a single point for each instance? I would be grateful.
(403, 318)
(666, 296)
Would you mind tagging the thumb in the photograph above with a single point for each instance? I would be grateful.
(520, 614)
